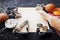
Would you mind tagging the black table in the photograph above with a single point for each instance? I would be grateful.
(8, 35)
(28, 3)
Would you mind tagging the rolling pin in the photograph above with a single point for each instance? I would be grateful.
(54, 21)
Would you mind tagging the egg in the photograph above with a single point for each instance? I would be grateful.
(3, 17)
(56, 13)
(56, 9)
(49, 7)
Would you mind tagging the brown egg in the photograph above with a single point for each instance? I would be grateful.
(49, 7)
(3, 17)
(56, 9)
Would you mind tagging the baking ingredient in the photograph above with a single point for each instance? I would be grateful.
(10, 23)
(56, 9)
(49, 7)
(56, 13)
(3, 17)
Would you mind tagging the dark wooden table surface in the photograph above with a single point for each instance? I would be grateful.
(30, 3)
(7, 34)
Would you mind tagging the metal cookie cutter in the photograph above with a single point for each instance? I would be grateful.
(41, 29)
(21, 26)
